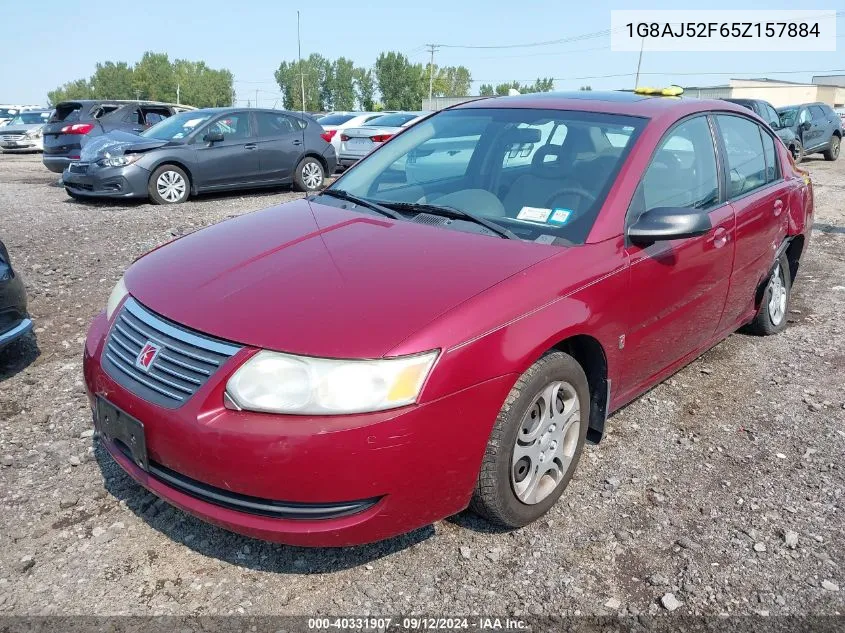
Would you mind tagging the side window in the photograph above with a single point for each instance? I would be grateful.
(804, 116)
(818, 113)
(772, 167)
(232, 126)
(154, 117)
(682, 172)
(744, 149)
(771, 117)
(270, 124)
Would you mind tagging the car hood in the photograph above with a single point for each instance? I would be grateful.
(319, 280)
(21, 128)
(116, 143)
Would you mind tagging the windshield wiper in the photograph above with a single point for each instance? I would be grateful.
(445, 210)
(361, 202)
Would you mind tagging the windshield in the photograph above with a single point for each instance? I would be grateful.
(787, 116)
(30, 118)
(542, 174)
(6, 113)
(176, 127)
(336, 119)
(392, 120)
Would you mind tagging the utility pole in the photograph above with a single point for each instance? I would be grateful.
(299, 57)
(639, 62)
(256, 97)
(178, 87)
(432, 48)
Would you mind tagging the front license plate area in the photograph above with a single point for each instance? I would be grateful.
(119, 426)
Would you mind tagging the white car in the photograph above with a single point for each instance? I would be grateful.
(24, 133)
(333, 123)
(357, 142)
(10, 111)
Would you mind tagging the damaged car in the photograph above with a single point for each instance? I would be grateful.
(214, 149)
(14, 322)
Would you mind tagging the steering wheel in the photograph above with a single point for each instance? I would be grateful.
(576, 191)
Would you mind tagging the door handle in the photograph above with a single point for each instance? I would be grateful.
(297, 142)
(778, 207)
(249, 146)
(720, 237)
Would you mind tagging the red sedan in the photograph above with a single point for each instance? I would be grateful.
(448, 323)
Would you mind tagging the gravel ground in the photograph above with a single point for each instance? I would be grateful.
(719, 491)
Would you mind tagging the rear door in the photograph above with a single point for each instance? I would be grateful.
(278, 143)
(230, 162)
(758, 194)
(678, 287)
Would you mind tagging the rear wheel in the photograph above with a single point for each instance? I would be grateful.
(771, 317)
(535, 444)
(309, 174)
(832, 151)
(169, 184)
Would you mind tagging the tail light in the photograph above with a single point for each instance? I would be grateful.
(380, 138)
(77, 128)
(328, 135)
(344, 137)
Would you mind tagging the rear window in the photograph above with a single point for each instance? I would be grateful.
(72, 112)
(389, 120)
(336, 119)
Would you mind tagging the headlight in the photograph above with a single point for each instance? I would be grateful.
(118, 161)
(118, 294)
(281, 383)
(34, 133)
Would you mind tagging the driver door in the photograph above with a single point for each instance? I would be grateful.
(230, 162)
(678, 288)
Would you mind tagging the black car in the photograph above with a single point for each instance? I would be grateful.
(201, 151)
(767, 112)
(75, 121)
(816, 125)
(14, 322)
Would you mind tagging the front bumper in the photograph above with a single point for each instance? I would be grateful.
(108, 182)
(22, 145)
(400, 470)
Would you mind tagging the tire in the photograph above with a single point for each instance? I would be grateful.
(512, 489)
(309, 174)
(772, 316)
(169, 184)
(832, 151)
(797, 151)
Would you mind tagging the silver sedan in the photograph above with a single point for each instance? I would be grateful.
(357, 142)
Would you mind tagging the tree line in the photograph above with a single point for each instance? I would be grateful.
(155, 78)
(393, 83)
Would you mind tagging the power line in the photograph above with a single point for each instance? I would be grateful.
(680, 74)
(574, 38)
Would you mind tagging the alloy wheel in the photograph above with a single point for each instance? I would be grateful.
(312, 175)
(171, 186)
(546, 442)
(777, 296)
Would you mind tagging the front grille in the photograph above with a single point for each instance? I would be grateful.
(248, 504)
(14, 136)
(79, 185)
(181, 362)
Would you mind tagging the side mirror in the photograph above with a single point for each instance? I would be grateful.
(805, 125)
(669, 223)
(775, 125)
(213, 137)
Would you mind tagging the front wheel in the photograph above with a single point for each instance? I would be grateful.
(771, 317)
(535, 444)
(309, 174)
(832, 151)
(797, 151)
(169, 184)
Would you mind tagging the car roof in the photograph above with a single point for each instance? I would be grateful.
(610, 102)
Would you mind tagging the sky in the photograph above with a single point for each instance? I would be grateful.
(55, 41)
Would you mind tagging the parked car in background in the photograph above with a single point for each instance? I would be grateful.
(75, 121)
(9, 112)
(24, 132)
(841, 113)
(383, 354)
(767, 112)
(333, 124)
(817, 127)
(205, 150)
(357, 142)
(14, 322)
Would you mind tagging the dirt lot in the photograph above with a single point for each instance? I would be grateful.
(723, 486)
